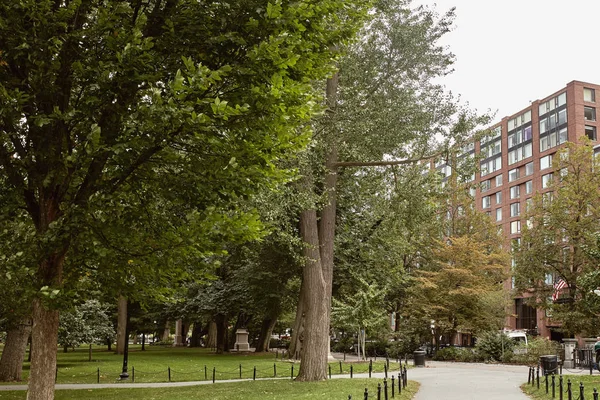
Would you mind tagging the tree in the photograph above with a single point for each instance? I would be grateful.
(362, 312)
(558, 238)
(95, 97)
(382, 110)
(88, 323)
(458, 282)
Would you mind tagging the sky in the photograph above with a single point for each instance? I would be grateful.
(511, 52)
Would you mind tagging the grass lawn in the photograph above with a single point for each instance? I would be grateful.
(185, 364)
(254, 390)
(589, 383)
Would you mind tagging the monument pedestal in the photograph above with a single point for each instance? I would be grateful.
(570, 345)
(241, 340)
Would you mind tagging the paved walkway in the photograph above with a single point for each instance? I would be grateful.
(439, 380)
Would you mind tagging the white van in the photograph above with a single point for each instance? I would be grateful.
(520, 338)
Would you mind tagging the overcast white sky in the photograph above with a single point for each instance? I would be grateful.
(511, 52)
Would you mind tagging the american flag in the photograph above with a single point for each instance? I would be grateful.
(558, 286)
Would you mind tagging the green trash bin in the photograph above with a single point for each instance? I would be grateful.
(419, 358)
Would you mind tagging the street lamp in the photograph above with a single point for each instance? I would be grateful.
(124, 375)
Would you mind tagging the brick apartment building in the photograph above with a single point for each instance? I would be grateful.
(517, 163)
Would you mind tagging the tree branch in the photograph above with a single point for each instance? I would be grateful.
(385, 163)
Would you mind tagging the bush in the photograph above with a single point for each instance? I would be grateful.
(344, 345)
(460, 354)
(495, 346)
(377, 348)
(537, 347)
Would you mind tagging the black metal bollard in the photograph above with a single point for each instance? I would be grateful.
(329, 371)
(240, 370)
(370, 368)
(169, 372)
(560, 387)
(351, 370)
(529, 376)
(366, 396)
(538, 376)
(379, 391)
(405, 378)
(349, 397)
(581, 391)
(56, 374)
(214, 373)
(385, 389)
(99, 374)
(132, 374)
(274, 370)
(553, 385)
(205, 373)
(254, 374)
(546, 381)
(400, 379)
(292, 371)
(595, 394)
(385, 369)
(569, 390)
(341, 371)
(393, 387)
(344, 355)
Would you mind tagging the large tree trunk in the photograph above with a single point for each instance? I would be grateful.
(11, 363)
(264, 338)
(166, 332)
(44, 338)
(211, 341)
(197, 333)
(121, 324)
(318, 238)
(221, 321)
(314, 352)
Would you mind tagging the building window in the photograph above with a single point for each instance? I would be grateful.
(551, 104)
(498, 180)
(499, 214)
(590, 132)
(515, 209)
(498, 197)
(514, 192)
(546, 179)
(589, 95)
(491, 149)
(519, 154)
(486, 185)
(472, 191)
(546, 162)
(553, 139)
(589, 113)
(528, 187)
(485, 202)
(515, 227)
(513, 175)
(490, 166)
(529, 168)
(519, 120)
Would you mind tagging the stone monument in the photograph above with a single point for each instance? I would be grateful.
(241, 340)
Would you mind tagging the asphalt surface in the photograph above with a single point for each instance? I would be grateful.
(439, 380)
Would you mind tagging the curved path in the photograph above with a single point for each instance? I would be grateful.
(439, 380)
(464, 381)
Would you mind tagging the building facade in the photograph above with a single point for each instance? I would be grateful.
(516, 163)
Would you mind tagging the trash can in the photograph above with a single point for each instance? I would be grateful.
(419, 358)
(549, 364)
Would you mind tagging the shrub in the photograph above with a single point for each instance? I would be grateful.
(537, 347)
(344, 345)
(460, 354)
(495, 346)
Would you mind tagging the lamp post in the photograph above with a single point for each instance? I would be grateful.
(124, 375)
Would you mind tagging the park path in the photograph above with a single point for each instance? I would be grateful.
(465, 381)
(439, 380)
